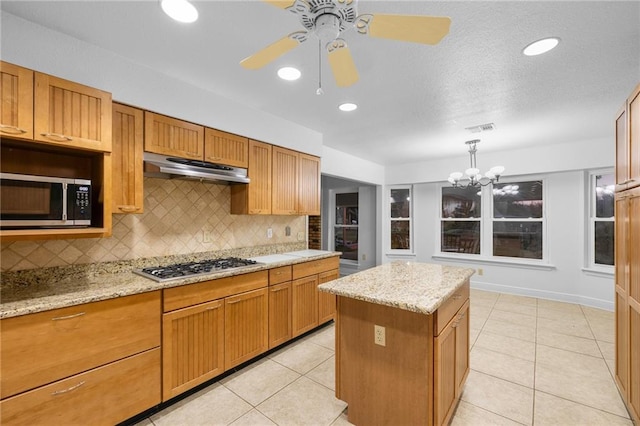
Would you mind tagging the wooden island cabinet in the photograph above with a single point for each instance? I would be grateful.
(402, 345)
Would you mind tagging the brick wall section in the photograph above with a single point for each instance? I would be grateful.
(315, 232)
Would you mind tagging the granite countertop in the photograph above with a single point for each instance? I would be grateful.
(43, 289)
(412, 286)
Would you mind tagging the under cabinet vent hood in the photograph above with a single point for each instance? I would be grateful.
(163, 166)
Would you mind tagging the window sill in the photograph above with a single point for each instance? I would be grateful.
(399, 255)
(500, 262)
(599, 272)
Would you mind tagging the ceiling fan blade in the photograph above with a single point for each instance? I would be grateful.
(415, 28)
(282, 4)
(342, 65)
(274, 51)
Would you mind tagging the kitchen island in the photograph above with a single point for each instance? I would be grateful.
(402, 342)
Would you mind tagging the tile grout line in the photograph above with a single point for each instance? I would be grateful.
(535, 366)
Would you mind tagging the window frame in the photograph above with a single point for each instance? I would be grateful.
(461, 219)
(411, 249)
(591, 221)
(332, 222)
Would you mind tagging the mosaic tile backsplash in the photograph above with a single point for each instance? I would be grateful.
(180, 217)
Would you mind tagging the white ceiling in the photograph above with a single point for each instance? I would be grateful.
(414, 100)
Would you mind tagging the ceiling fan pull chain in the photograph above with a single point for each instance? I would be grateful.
(319, 91)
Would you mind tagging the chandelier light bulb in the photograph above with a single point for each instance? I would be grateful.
(472, 171)
(497, 170)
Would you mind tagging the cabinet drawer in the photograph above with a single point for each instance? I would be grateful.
(279, 275)
(449, 308)
(44, 347)
(315, 267)
(193, 294)
(103, 396)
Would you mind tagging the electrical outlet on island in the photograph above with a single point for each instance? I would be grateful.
(379, 335)
(269, 233)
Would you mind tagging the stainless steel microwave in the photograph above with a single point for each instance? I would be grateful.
(28, 201)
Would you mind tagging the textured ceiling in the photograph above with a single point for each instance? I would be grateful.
(415, 101)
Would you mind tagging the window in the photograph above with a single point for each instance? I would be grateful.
(518, 219)
(460, 220)
(346, 225)
(601, 229)
(400, 204)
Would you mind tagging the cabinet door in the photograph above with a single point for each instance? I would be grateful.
(327, 301)
(633, 133)
(70, 114)
(16, 101)
(106, 395)
(633, 299)
(622, 150)
(192, 347)
(621, 288)
(255, 197)
(246, 326)
(304, 304)
(462, 348)
(126, 159)
(279, 314)
(309, 185)
(226, 148)
(47, 346)
(285, 182)
(169, 136)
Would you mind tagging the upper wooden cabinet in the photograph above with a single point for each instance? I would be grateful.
(127, 162)
(170, 136)
(226, 148)
(16, 101)
(308, 185)
(284, 196)
(70, 114)
(254, 197)
(628, 143)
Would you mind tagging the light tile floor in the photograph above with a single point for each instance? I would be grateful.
(533, 362)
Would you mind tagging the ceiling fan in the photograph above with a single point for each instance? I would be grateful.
(329, 19)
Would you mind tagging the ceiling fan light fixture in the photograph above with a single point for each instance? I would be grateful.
(541, 46)
(347, 107)
(289, 73)
(180, 10)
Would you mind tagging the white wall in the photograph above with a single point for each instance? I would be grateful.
(563, 279)
(338, 163)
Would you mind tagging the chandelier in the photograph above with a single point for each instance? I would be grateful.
(473, 176)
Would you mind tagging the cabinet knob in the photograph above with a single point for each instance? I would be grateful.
(57, 137)
(11, 130)
(129, 209)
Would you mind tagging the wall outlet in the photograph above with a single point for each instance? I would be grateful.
(300, 236)
(206, 236)
(269, 233)
(379, 335)
(364, 256)
(287, 231)
(480, 271)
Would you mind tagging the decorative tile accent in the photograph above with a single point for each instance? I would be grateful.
(180, 217)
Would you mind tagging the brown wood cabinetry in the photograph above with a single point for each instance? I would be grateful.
(16, 101)
(254, 197)
(246, 322)
(284, 198)
(192, 347)
(304, 304)
(100, 358)
(226, 148)
(627, 252)
(170, 136)
(423, 370)
(70, 114)
(127, 162)
(280, 330)
(327, 301)
(309, 185)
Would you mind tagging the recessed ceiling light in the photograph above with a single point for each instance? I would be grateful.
(180, 10)
(541, 46)
(289, 73)
(348, 107)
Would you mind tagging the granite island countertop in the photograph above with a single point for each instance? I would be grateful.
(411, 286)
(43, 289)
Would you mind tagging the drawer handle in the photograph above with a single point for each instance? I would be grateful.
(129, 209)
(68, 316)
(277, 290)
(214, 158)
(456, 296)
(279, 273)
(627, 181)
(57, 136)
(231, 302)
(192, 153)
(12, 130)
(211, 308)
(72, 388)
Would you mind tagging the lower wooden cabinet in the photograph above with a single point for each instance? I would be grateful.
(304, 304)
(246, 322)
(451, 364)
(192, 347)
(327, 301)
(279, 314)
(103, 396)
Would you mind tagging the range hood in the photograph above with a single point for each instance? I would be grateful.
(166, 166)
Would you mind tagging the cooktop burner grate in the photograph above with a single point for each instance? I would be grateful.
(189, 269)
